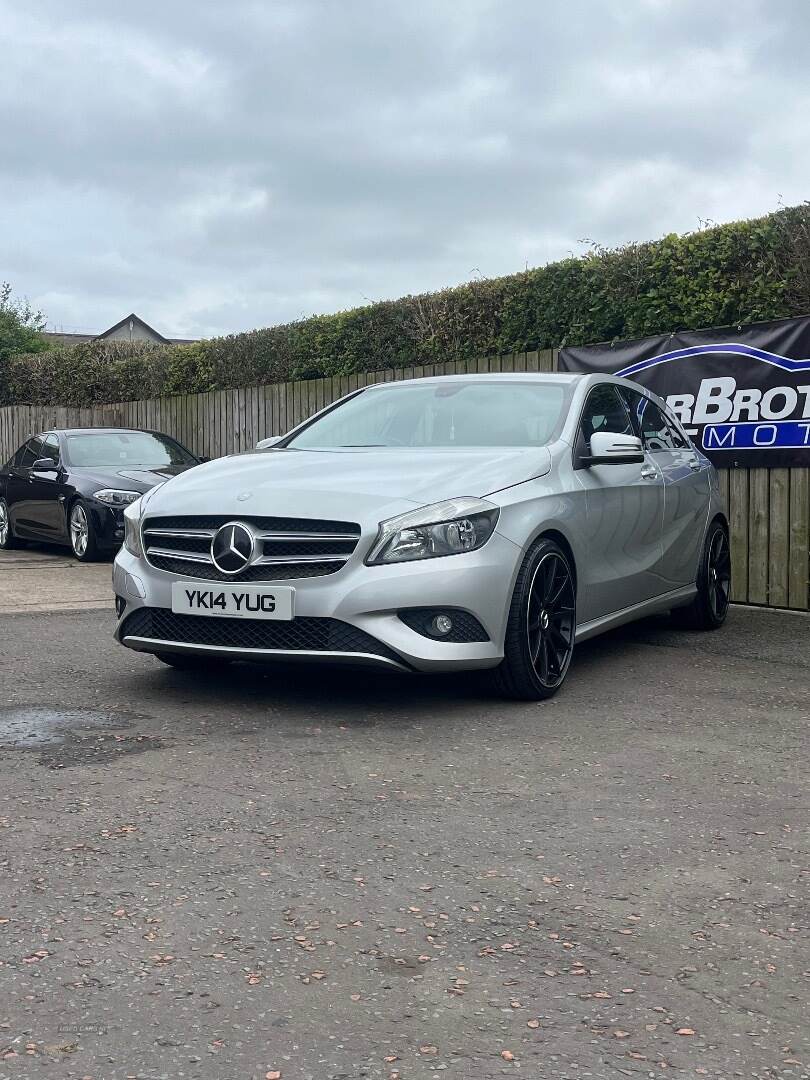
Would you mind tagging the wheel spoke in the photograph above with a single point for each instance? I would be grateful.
(548, 580)
(543, 658)
(552, 600)
(553, 662)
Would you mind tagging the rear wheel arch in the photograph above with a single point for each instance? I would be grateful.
(721, 517)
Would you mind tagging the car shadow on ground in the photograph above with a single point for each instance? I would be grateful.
(370, 694)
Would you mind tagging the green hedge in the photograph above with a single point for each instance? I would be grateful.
(741, 272)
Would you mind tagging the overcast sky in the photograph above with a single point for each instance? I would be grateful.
(216, 167)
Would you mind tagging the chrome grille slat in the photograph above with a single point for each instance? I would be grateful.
(189, 534)
(306, 536)
(188, 556)
(283, 560)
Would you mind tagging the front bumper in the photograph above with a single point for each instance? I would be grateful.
(108, 522)
(358, 607)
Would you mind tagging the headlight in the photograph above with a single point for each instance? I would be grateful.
(116, 497)
(446, 528)
(132, 530)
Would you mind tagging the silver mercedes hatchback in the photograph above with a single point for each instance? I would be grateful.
(457, 522)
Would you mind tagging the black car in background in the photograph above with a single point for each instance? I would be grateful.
(71, 487)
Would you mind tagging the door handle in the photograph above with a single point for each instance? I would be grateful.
(694, 463)
(649, 472)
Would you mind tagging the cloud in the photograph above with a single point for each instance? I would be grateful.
(217, 168)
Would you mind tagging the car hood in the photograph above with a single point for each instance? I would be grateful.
(372, 483)
(131, 478)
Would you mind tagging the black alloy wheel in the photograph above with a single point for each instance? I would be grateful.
(709, 608)
(541, 626)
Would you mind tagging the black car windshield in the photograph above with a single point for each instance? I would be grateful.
(100, 449)
(470, 414)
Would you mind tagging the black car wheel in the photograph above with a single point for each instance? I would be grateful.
(540, 630)
(709, 608)
(8, 541)
(83, 539)
(190, 662)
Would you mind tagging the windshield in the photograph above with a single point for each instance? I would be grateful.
(119, 448)
(440, 414)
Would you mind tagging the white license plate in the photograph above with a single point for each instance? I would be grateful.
(232, 601)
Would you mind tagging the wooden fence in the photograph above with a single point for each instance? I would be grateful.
(769, 509)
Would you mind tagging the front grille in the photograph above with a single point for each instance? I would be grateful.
(300, 634)
(286, 548)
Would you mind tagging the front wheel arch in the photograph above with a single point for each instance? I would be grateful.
(558, 538)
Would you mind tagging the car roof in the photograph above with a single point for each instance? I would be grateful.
(99, 431)
(566, 377)
(560, 378)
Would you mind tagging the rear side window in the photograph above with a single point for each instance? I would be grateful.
(679, 439)
(656, 429)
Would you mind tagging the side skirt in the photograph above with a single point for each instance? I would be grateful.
(676, 598)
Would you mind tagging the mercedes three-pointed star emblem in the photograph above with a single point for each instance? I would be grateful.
(232, 547)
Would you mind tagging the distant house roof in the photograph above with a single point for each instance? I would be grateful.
(131, 328)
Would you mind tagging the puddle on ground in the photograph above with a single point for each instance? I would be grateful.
(29, 727)
(68, 737)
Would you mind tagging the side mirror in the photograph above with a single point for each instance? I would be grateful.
(271, 440)
(45, 464)
(608, 448)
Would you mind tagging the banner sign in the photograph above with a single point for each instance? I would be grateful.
(743, 394)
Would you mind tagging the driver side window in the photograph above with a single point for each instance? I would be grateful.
(604, 411)
(50, 448)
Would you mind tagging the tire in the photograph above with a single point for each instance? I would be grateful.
(8, 541)
(709, 608)
(82, 533)
(190, 662)
(541, 625)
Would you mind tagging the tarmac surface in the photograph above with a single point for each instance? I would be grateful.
(313, 873)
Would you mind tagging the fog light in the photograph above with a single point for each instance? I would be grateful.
(441, 625)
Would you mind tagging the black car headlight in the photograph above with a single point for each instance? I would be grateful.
(452, 527)
(116, 496)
